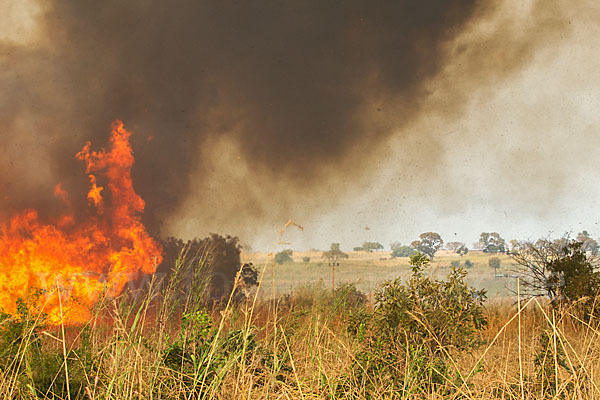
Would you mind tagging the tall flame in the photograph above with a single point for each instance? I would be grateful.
(81, 259)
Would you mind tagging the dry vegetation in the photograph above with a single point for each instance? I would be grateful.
(314, 344)
(369, 270)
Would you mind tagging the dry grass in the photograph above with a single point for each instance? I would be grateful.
(297, 347)
(369, 270)
(312, 355)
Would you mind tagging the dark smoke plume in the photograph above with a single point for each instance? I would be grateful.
(301, 87)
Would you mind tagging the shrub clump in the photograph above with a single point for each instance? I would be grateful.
(416, 325)
(284, 256)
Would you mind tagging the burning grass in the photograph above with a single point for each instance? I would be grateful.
(103, 250)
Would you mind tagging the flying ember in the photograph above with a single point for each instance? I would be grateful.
(86, 259)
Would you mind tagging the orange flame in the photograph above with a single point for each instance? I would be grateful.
(86, 259)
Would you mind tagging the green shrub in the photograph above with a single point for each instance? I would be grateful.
(305, 259)
(431, 312)
(415, 326)
(25, 356)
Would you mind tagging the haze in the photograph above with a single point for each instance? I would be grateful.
(367, 123)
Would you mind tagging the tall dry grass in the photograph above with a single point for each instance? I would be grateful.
(169, 344)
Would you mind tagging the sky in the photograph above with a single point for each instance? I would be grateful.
(362, 123)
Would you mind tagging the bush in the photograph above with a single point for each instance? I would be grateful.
(468, 264)
(217, 256)
(462, 250)
(431, 312)
(415, 325)
(305, 259)
(284, 256)
(40, 368)
(455, 264)
(561, 270)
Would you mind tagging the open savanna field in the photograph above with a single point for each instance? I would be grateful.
(369, 270)
(424, 337)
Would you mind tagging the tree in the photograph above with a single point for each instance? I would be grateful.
(284, 256)
(561, 270)
(430, 243)
(492, 242)
(589, 245)
(372, 246)
(514, 245)
(334, 246)
(462, 250)
(494, 262)
(333, 256)
(358, 248)
(453, 246)
(399, 250)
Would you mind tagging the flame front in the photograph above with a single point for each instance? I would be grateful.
(83, 259)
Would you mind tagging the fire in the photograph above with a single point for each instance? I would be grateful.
(81, 260)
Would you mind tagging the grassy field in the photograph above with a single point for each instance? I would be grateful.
(369, 270)
(314, 343)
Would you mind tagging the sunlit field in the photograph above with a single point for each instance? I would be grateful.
(369, 270)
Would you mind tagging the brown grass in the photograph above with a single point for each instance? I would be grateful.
(120, 354)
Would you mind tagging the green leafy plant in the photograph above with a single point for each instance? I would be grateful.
(418, 324)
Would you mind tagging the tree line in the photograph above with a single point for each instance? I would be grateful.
(429, 243)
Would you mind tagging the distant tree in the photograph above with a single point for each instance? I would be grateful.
(399, 250)
(468, 264)
(284, 256)
(333, 256)
(372, 246)
(334, 246)
(462, 250)
(453, 246)
(492, 242)
(494, 262)
(430, 243)
(306, 259)
(358, 248)
(588, 244)
(514, 245)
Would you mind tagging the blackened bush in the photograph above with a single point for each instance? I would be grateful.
(218, 255)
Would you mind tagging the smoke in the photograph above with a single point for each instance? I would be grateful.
(244, 111)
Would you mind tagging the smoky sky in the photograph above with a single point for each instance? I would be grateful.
(300, 87)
